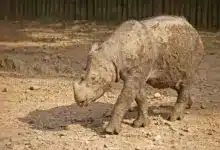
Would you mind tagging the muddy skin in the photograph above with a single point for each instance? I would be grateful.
(164, 51)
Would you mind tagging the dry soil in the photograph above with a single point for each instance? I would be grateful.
(39, 62)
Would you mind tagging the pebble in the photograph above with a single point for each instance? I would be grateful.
(157, 138)
(94, 29)
(181, 134)
(187, 112)
(46, 58)
(149, 134)
(203, 106)
(105, 146)
(157, 95)
(103, 136)
(62, 134)
(186, 130)
(34, 88)
(4, 90)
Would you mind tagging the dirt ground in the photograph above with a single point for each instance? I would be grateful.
(38, 63)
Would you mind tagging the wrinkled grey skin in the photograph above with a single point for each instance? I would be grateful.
(163, 51)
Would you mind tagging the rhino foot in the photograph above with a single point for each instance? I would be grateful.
(112, 128)
(189, 104)
(177, 113)
(141, 122)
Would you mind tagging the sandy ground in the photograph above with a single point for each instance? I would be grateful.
(38, 63)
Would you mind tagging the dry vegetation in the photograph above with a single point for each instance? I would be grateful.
(38, 63)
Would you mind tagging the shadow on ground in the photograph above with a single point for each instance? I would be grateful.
(93, 116)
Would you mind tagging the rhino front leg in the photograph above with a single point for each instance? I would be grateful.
(122, 105)
(183, 101)
(142, 119)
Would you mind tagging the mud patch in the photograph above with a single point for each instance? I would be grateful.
(34, 64)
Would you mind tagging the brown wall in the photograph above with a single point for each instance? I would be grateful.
(203, 14)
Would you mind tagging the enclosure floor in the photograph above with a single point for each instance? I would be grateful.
(48, 57)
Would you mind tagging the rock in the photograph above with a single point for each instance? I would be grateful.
(66, 127)
(46, 58)
(4, 90)
(181, 134)
(94, 29)
(157, 95)
(105, 146)
(149, 134)
(39, 138)
(203, 106)
(90, 120)
(187, 112)
(157, 138)
(103, 136)
(34, 88)
(62, 134)
(76, 27)
(185, 130)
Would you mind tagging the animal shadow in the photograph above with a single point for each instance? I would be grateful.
(93, 117)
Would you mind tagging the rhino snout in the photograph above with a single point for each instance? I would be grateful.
(79, 95)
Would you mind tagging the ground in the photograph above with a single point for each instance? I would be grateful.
(38, 64)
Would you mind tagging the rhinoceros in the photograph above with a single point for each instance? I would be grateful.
(162, 51)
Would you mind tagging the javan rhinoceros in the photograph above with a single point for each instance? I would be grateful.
(163, 51)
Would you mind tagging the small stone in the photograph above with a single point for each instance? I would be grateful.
(62, 134)
(4, 90)
(94, 29)
(103, 136)
(186, 130)
(157, 138)
(90, 120)
(157, 95)
(39, 138)
(181, 134)
(149, 134)
(34, 88)
(66, 127)
(105, 146)
(38, 132)
(46, 58)
(187, 112)
(203, 106)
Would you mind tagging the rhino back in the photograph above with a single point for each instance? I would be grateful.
(159, 47)
(177, 45)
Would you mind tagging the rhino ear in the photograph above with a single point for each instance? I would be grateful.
(95, 46)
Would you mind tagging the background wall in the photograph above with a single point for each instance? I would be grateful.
(201, 13)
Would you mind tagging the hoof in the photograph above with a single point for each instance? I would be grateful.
(112, 129)
(141, 122)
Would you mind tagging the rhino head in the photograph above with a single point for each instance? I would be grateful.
(100, 73)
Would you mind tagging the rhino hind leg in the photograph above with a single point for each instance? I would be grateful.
(183, 101)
